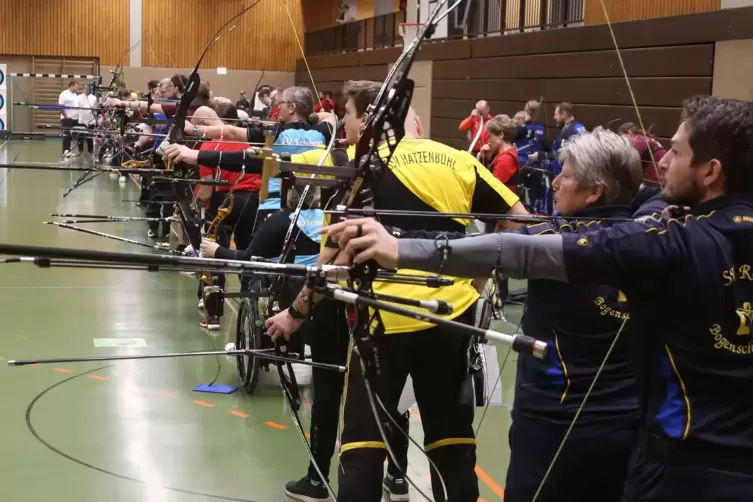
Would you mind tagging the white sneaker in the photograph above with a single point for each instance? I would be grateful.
(200, 306)
(122, 179)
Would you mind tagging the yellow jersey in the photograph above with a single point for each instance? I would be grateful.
(425, 175)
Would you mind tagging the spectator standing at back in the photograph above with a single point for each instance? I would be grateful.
(346, 14)
(87, 102)
(68, 118)
(473, 125)
(326, 103)
(649, 148)
(504, 163)
(243, 103)
(531, 134)
(563, 116)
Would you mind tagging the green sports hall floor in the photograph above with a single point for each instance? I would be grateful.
(135, 430)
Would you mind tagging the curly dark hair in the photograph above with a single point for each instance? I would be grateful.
(722, 129)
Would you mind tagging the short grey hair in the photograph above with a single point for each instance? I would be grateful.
(303, 99)
(605, 158)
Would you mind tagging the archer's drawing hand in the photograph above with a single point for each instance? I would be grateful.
(674, 211)
(112, 103)
(365, 239)
(282, 324)
(180, 154)
(208, 248)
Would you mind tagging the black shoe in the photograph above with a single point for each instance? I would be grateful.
(306, 490)
(397, 488)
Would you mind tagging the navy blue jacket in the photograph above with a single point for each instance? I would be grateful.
(689, 283)
(578, 323)
(530, 138)
(571, 129)
(647, 203)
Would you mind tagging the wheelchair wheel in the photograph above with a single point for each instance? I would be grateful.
(249, 333)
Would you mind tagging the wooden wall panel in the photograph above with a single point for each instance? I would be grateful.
(175, 32)
(633, 10)
(84, 28)
(592, 80)
(656, 61)
(318, 14)
(364, 9)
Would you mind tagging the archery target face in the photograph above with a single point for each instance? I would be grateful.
(2, 76)
(2, 125)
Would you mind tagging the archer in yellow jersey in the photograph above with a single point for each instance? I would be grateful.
(423, 175)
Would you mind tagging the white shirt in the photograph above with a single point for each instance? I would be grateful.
(258, 103)
(86, 117)
(68, 98)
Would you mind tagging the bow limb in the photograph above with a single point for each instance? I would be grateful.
(627, 82)
(622, 326)
(378, 139)
(290, 385)
(189, 220)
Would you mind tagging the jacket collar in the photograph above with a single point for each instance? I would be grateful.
(722, 202)
(607, 211)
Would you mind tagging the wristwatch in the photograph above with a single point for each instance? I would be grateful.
(195, 130)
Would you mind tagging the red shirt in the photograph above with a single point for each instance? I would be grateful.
(642, 144)
(326, 105)
(472, 124)
(274, 114)
(249, 182)
(505, 166)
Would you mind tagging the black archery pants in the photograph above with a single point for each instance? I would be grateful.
(86, 136)
(240, 221)
(592, 465)
(67, 125)
(329, 338)
(237, 226)
(161, 192)
(437, 360)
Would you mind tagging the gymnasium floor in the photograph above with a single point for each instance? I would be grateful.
(134, 430)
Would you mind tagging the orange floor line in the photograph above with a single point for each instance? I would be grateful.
(166, 394)
(36, 364)
(97, 377)
(62, 370)
(203, 403)
(488, 481)
(276, 425)
(308, 436)
(239, 414)
(2, 358)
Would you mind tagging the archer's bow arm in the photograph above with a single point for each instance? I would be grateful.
(517, 256)
(232, 161)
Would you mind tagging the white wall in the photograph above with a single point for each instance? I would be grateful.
(382, 7)
(731, 4)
